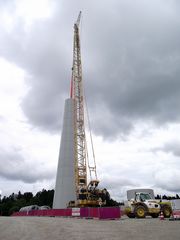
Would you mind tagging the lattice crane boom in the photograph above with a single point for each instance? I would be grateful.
(87, 194)
(77, 94)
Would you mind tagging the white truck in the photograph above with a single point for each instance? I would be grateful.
(141, 203)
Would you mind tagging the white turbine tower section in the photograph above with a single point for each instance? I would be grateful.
(71, 181)
(65, 189)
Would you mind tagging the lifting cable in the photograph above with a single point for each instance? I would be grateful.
(92, 146)
(91, 169)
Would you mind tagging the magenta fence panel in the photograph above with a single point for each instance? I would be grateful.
(68, 212)
(84, 212)
(100, 213)
(41, 212)
(109, 213)
(58, 212)
(94, 212)
(176, 212)
(89, 212)
(52, 212)
(31, 213)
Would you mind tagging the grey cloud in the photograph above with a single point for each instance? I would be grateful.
(117, 182)
(14, 167)
(45, 60)
(2, 118)
(139, 79)
(168, 179)
(7, 3)
(131, 58)
(170, 147)
(173, 147)
(117, 186)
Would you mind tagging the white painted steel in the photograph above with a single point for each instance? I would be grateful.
(65, 190)
(29, 208)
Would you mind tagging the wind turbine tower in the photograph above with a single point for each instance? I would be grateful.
(71, 181)
(72, 160)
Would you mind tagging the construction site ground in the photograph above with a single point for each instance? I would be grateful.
(46, 228)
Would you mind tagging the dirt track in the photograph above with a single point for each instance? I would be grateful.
(39, 228)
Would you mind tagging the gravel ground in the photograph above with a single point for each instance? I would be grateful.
(41, 228)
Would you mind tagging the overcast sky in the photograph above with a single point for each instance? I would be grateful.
(131, 73)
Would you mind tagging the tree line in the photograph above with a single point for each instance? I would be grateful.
(14, 202)
(164, 197)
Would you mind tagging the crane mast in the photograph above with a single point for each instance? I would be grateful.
(87, 194)
(77, 95)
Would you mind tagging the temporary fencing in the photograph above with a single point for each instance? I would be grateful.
(97, 213)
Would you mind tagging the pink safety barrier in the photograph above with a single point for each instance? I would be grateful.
(176, 213)
(48, 213)
(94, 212)
(100, 213)
(109, 213)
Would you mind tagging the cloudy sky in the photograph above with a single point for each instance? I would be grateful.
(131, 73)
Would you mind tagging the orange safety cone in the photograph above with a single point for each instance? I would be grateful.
(161, 216)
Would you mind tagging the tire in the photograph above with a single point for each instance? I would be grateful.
(130, 215)
(167, 211)
(154, 215)
(140, 211)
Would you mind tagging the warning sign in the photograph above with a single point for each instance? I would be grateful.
(75, 212)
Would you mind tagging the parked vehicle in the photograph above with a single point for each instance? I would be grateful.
(143, 203)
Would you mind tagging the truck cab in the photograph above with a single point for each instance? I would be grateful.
(142, 197)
